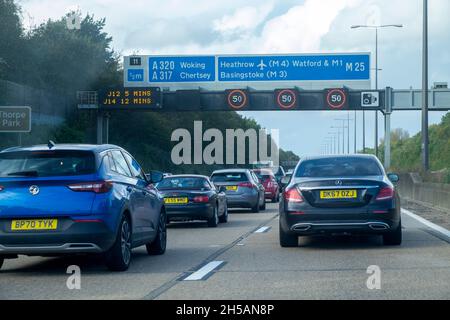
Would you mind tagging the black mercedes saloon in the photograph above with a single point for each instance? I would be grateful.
(193, 197)
(340, 195)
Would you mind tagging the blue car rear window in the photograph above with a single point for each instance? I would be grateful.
(338, 167)
(47, 163)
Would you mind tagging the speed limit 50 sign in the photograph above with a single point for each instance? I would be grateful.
(237, 99)
(336, 99)
(287, 98)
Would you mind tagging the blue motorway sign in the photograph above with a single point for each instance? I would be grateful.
(182, 69)
(293, 68)
(258, 71)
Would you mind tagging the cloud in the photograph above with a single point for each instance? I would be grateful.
(302, 27)
(243, 21)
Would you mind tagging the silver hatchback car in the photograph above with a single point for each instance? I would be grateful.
(242, 187)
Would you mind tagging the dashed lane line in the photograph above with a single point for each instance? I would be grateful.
(204, 272)
(264, 229)
(171, 283)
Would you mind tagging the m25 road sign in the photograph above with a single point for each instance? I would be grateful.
(293, 68)
(221, 72)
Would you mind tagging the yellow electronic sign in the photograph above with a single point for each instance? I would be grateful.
(130, 98)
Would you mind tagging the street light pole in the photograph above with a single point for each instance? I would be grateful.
(348, 132)
(338, 138)
(355, 133)
(334, 142)
(376, 88)
(376, 27)
(425, 139)
(348, 120)
(343, 136)
(329, 141)
(364, 131)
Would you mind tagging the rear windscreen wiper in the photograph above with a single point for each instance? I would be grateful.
(24, 174)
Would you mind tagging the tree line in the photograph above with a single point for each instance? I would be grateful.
(62, 60)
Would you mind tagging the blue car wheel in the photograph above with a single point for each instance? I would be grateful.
(158, 246)
(118, 258)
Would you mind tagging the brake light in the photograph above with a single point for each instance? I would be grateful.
(385, 194)
(246, 185)
(96, 187)
(201, 199)
(293, 195)
(296, 213)
(380, 212)
(88, 221)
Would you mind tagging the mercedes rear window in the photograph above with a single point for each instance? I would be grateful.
(338, 167)
(47, 163)
(229, 177)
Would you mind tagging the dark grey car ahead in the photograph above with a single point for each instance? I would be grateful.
(242, 187)
(340, 195)
(193, 197)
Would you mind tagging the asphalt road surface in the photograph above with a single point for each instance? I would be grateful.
(243, 260)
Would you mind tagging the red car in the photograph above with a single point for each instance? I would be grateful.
(269, 182)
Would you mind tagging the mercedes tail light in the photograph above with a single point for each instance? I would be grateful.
(96, 187)
(385, 193)
(293, 195)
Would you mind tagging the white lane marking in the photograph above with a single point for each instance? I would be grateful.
(429, 224)
(262, 230)
(204, 271)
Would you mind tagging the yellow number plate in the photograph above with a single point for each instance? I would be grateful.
(231, 188)
(338, 194)
(28, 225)
(176, 200)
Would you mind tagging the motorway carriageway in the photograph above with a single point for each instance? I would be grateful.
(243, 260)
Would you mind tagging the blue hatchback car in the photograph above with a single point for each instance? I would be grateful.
(71, 199)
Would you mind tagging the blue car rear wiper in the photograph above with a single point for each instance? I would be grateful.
(24, 174)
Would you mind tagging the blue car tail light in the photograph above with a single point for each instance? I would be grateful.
(96, 186)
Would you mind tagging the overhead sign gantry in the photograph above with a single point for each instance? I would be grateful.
(313, 82)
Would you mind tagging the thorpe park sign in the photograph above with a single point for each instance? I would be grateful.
(15, 119)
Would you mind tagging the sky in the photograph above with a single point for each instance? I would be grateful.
(285, 26)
